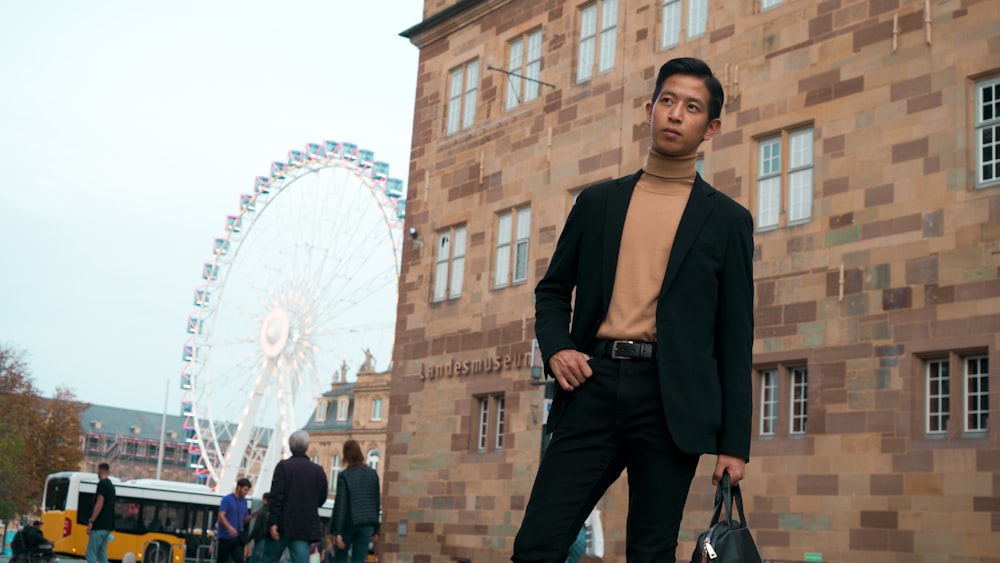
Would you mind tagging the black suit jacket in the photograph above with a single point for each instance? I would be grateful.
(298, 489)
(704, 317)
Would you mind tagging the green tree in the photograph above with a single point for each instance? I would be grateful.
(38, 436)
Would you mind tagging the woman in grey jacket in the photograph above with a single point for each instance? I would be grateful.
(356, 510)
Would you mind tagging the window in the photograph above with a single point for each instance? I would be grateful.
(798, 174)
(314, 459)
(342, 409)
(334, 471)
(977, 393)
(768, 4)
(598, 37)
(697, 21)
(768, 402)
(498, 442)
(377, 409)
(525, 66)
(938, 396)
(450, 256)
(490, 422)
(774, 400)
(988, 133)
(513, 228)
(321, 406)
(373, 459)
(799, 383)
(463, 84)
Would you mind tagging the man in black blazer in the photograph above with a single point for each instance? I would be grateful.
(653, 359)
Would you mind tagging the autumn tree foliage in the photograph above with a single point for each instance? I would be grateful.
(38, 435)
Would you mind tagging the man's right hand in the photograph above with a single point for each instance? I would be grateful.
(570, 368)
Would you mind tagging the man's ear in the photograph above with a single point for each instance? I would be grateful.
(649, 114)
(712, 128)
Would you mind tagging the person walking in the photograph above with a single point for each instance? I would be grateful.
(645, 320)
(102, 517)
(355, 520)
(298, 489)
(233, 515)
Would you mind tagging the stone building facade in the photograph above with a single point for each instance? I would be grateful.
(861, 134)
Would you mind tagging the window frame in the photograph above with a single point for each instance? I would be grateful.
(597, 39)
(513, 247)
(798, 380)
(372, 458)
(777, 190)
(682, 18)
(460, 112)
(342, 408)
(766, 5)
(768, 403)
(491, 422)
(978, 394)
(525, 72)
(982, 126)
(321, 410)
(376, 409)
(449, 270)
(940, 415)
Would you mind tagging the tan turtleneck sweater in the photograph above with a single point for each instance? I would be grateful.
(650, 226)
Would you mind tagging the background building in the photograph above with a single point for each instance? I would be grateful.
(129, 440)
(862, 134)
(355, 410)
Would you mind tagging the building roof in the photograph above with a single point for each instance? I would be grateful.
(139, 424)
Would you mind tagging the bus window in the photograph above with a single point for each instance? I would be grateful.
(126, 516)
(55, 493)
(86, 508)
(158, 516)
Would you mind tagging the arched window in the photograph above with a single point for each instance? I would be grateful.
(373, 459)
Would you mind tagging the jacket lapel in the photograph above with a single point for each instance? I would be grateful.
(614, 222)
(699, 207)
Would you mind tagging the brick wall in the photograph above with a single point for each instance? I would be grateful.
(899, 264)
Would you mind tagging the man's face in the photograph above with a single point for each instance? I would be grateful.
(678, 120)
(242, 491)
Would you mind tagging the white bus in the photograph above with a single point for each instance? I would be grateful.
(157, 521)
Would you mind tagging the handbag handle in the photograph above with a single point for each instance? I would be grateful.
(725, 494)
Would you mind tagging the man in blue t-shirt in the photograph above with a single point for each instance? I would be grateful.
(233, 515)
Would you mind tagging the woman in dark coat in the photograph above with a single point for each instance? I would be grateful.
(356, 511)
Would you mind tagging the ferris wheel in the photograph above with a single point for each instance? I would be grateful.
(302, 285)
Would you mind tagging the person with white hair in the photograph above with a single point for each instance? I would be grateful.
(298, 489)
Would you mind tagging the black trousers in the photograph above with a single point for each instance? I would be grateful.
(612, 422)
(229, 549)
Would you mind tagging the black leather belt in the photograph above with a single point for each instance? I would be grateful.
(627, 349)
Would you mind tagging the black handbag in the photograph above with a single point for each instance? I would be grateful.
(726, 541)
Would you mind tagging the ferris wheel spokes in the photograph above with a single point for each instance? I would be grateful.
(305, 274)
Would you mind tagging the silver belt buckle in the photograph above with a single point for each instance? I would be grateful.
(614, 349)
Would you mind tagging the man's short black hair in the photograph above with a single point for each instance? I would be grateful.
(103, 467)
(266, 497)
(243, 482)
(693, 67)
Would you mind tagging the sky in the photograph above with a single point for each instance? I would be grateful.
(128, 131)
